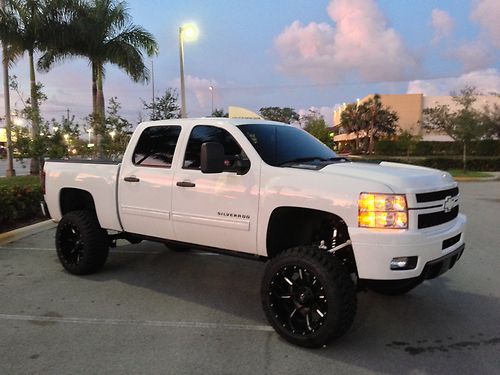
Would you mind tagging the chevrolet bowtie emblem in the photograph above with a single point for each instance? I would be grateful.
(448, 204)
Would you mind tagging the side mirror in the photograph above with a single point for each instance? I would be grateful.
(212, 157)
(242, 166)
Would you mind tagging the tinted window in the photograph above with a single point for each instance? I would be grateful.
(201, 134)
(278, 145)
(156, 146)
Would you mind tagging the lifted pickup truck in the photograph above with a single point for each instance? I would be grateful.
(327, 227)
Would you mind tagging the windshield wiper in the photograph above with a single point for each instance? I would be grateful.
(303, 160)
(312, 158)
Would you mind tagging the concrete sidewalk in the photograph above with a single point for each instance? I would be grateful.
(19, 233)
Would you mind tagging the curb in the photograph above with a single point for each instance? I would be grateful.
(477, 179)
(19, 233)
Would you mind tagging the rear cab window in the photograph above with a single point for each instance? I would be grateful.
(156, 147)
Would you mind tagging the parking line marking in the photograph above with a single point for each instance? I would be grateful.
(131, 322)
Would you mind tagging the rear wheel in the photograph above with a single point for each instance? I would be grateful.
(81, 243)
(308, 296)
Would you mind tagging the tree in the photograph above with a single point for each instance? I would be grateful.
(164, 107)
(117, 135)
(491, 120)
(463, 125)
(102, 31)
(219, 113)
(353, 120)
(24, 27)
(408, 141)
(285, 114)
(315, 124)
(380, 120)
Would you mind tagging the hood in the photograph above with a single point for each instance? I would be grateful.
(400, 178)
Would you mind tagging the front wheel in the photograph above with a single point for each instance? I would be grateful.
(81, 243)
(308, 296)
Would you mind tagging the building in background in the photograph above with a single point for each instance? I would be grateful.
(409, 108)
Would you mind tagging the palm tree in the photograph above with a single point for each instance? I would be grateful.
(381, 120)
(353, 120)
(24, 30)
(102, 31)
(5, 65)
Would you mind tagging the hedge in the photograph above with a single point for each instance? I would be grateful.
(19, 199)
(487, 147)
(485, 164)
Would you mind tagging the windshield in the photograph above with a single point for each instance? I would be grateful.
(280, 145)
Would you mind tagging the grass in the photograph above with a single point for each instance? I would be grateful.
(461, 173)
(19, 181)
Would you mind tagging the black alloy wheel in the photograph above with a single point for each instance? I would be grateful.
(308, 296)
(298, 299)
(81, 244)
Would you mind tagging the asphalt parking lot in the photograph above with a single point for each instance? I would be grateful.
(152, 310)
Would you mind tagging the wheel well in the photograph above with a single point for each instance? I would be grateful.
(292, 226)
(71, 199)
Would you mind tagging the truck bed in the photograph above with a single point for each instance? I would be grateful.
(97, 177)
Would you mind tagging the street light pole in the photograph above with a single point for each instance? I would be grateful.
(6, 94)
(183, 90)
(187, 32)
(153, 86)
(211, 88)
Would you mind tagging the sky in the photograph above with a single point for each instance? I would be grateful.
(293, 53)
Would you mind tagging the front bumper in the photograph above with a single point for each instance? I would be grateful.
(374, 249)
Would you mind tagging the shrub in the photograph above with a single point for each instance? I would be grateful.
(487, 147)
(485, 164)
(19, 199)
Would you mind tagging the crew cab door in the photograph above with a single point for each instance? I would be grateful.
(145, 186)
(216, 209)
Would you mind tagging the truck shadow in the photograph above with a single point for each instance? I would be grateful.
(436, 328)
(223, 283)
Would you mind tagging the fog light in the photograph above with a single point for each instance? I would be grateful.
(403, 263)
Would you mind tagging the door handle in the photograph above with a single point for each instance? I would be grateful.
(131, 179)
(185, 184)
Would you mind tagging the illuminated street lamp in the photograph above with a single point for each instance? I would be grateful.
(112, 133)
(187, 32)
(211, 88)
(90, 139)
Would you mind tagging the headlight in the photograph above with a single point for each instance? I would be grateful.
(382, 211)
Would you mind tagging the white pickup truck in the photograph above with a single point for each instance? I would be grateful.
(327, 227)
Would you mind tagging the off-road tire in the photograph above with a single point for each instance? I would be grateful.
(81, 243)
(322, 295)
(393, 287)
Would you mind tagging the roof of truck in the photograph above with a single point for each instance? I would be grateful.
(221, 121)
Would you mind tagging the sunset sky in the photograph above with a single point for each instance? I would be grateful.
(299, 53)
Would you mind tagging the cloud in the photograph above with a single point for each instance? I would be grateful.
(360, 43)
(485, 13)
(475, 55)
(198, 88)
(326, 112)
(485, 81)
(442, 23)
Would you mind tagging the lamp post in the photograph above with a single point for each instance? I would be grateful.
(187, 32)
(211, 88)
(90, 134)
